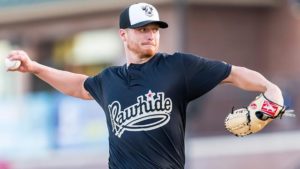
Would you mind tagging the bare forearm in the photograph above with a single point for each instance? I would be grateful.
(250, 80)
(66, 82)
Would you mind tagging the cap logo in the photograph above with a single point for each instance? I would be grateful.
(148, 10)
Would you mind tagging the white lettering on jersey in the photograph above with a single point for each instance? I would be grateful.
(151, 111)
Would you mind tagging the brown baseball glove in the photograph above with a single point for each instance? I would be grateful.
(255, 117)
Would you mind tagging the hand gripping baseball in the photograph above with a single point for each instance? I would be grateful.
(255, 117)
(25, 64)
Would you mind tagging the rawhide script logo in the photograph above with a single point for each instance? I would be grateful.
(150, 112)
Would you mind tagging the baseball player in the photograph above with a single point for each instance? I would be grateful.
(145, 100)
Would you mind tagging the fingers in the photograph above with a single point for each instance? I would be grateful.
(17, 55)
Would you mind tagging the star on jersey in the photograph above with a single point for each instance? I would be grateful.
(150, 95)
(151, 111)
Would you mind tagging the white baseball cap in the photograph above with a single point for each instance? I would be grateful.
(138, 15)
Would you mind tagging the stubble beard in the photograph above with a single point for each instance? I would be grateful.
(142, 53)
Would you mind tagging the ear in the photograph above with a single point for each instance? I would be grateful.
(123, 34)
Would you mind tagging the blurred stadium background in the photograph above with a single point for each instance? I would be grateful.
(43, 129)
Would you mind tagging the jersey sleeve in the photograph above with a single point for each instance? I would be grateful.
(93, 86)
(202, 74)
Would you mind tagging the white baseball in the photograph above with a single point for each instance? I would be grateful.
(12, 64)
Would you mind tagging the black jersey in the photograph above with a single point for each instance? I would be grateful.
(145, 106)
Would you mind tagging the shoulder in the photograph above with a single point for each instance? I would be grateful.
(167, 60)
(179, 56)
(111, 70)
(181, 60)
(188, 59)
(175, 55)
(183, 56)
(105, 73)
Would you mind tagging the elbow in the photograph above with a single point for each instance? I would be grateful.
(77, 94)
(70, 93)
(82, 95)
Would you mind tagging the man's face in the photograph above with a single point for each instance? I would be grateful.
(143, 41)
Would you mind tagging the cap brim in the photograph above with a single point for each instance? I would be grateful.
(161, 24)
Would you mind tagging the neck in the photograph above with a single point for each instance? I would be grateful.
(132, 58)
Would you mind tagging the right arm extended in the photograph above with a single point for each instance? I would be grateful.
(66, 82)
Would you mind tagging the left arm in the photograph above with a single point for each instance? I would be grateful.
(250, 80)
